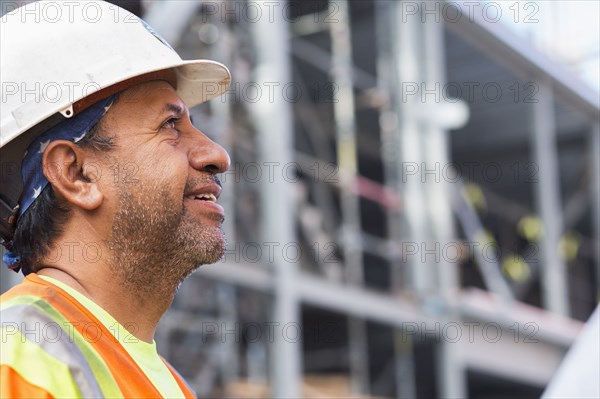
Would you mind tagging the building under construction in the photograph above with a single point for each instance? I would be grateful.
(413, 203)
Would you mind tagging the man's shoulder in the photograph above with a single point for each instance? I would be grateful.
(34, 312)
(27, 316)
(37, 359)
(41, 350)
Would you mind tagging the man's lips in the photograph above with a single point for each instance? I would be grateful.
(208, 192)
(205, 199)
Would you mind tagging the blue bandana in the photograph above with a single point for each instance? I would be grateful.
(33, 178)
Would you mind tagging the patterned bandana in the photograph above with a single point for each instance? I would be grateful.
(33, 178)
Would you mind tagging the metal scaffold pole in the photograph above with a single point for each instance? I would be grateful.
(345, 127)
(415, 149)
(548, 202)
(451, 371)
(407, 55)
(437, 156)
(275, 144)
(387, 35)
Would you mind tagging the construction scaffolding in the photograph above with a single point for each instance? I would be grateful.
(388, 182)
(412, 208)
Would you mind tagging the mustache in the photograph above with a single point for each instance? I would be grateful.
(201, 181)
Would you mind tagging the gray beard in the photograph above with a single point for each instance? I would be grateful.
(155, 244)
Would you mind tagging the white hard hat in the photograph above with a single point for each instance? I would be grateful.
(58, 57)
(53, 58)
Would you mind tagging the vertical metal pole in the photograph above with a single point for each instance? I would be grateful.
(547, 194)
(229, 362)
(437, 157)
(407, 51)
(388, 82)
(386, 35)
(452, 378)
(347, 161)
(275, 143)
(595, 194)
(345, 127)
(451, 372)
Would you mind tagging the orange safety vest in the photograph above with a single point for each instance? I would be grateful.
(40, 319)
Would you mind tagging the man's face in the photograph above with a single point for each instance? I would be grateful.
(162, 189)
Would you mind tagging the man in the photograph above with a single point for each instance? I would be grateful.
(108, 198)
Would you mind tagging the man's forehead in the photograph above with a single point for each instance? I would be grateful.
(155, 96)
(151, 89)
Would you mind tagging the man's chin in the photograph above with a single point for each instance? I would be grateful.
(208, 258)
(208, 247)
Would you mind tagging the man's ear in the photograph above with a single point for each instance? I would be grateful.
(65, 165)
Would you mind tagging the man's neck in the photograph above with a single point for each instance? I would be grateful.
(137, 311)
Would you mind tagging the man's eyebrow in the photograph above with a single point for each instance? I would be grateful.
(177, 109)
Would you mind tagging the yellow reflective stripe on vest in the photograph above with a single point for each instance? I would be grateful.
(39, 329)
(100, 370)
(23, 299)
(36, 366)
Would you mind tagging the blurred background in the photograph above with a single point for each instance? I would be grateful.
(413, 203)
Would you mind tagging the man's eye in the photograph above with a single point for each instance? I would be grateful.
(170, 124)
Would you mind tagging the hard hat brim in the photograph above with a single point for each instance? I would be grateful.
(200, 80)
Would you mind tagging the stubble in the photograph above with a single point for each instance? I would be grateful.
(156, 243)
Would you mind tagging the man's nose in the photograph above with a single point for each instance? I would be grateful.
(206, 155)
